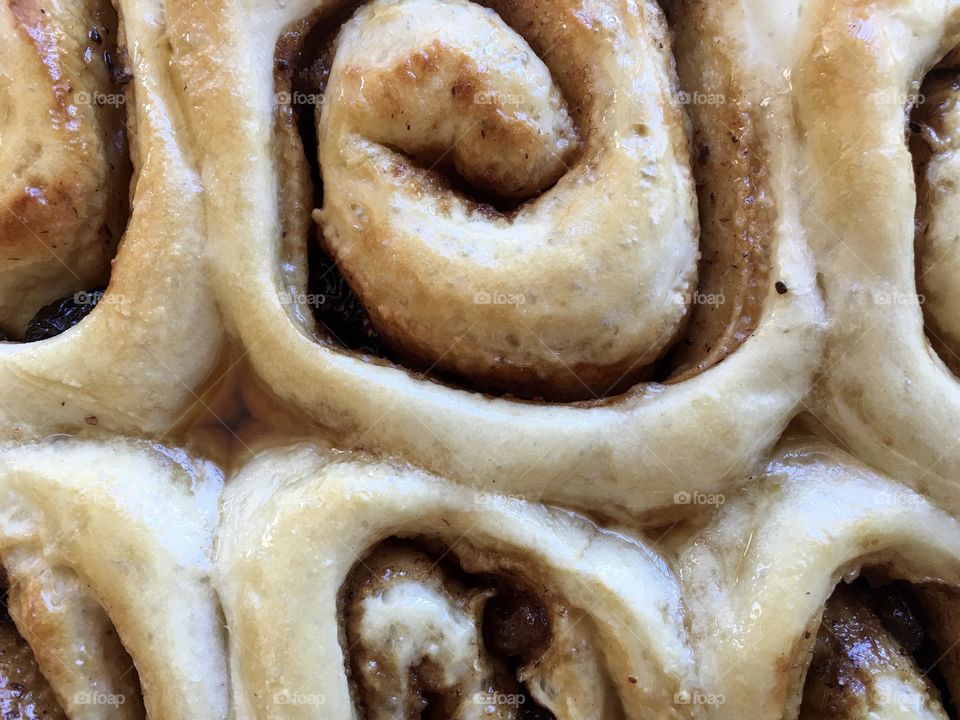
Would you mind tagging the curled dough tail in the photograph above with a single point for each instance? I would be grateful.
(759, 577)
(296, 523)
(109, 542)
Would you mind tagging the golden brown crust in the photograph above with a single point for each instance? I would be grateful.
(711, 426)
(563, 298)
(63, 159)
(125, 367)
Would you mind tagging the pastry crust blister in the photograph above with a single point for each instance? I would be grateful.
(596, 470)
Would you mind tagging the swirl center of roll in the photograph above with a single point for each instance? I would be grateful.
(468, 91)
(424, 642)
(580, 288)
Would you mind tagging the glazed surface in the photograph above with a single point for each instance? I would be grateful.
(419, 359)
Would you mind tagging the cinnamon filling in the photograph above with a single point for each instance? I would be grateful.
(425, 640)
(877, 654)
(933, 136)
(515, 625)
(737, 213)
(302, 67)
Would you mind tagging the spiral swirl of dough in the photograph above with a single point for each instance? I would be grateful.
(61, 158)
(613, 79)
(110, 542)
(136, 363)
(758, 577)
(600, 288)
(297, 520)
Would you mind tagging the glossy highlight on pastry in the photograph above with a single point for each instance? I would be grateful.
(453, 360)
(575, 430)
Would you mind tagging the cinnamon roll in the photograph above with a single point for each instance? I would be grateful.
(354, 586)
(881, 221)
(106, 550)
(826, 591)
(70, 73)
(509, 218)
(63, 155)
(505, 319)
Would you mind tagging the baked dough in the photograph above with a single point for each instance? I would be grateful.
(110, 542)
(138, 361)
(757, 578)
(295, 522)
(459, 545)
(565, 295)
(62, 156)
(883, 391)
(626, 454)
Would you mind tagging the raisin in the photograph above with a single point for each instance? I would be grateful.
(119, 68)
(899, 616)
(515, 625)
(337, 308)
(61, 315)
